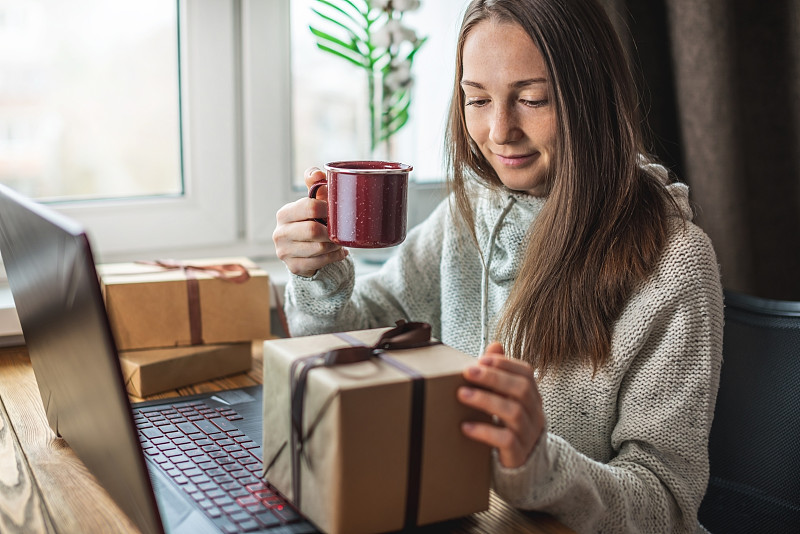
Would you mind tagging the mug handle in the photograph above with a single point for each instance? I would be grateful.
(312, 193)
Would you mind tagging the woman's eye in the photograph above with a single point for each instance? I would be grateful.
(534, 103)
(477, 102)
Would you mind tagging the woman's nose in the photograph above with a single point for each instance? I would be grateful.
(504, 127)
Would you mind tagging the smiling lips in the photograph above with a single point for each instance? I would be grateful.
(516, 161)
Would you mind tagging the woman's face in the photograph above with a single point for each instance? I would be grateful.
(508, 111)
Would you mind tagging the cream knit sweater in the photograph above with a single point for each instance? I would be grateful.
(625, 450)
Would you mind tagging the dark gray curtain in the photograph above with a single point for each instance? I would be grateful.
(720, 87)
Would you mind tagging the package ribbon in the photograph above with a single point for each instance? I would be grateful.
(403, 336)
(231, 272)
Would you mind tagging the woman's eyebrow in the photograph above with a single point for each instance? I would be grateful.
(517, 84)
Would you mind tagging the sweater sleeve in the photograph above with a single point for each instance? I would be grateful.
(406, 287)
(670, 336)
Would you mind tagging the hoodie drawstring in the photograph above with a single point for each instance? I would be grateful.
(486, 267)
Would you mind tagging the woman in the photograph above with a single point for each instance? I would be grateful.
(562, 240)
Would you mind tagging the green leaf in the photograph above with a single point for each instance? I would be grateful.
(342, 11)
(331, 39)
(394, 126)
(353, 34)
(342, 55)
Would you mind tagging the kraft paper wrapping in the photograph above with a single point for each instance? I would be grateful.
(152, 371)
(148, 306)
(354, 468)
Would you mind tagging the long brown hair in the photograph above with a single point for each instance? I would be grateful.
(605, 222)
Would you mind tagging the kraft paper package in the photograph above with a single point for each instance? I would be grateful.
(150, 371)
(164, 304)
(376, 445)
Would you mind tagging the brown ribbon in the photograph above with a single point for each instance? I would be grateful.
(403, 336)
(230, 272)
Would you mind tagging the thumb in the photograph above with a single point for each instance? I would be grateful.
(313, 175)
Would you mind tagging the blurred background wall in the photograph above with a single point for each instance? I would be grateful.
(720, 86)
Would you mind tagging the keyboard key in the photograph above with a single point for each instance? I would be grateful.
(188, 428)
(250, 445)
(286, 513)
(215, 493)
(239, 493)
(235, 418)
(159, 440)
(207, 427)
(193, 472)
(240, 516)
(223, 423)
(225, 479)
(214, 512)
(152, 432)
(193, 453)
(225, 501)
(224, 442)
(231, 508)
(258, 486)
(181, 441)
(247, 499)
(207, 466)
(171, 453)
(215, 472)
(249, 526)
(268, 519)
(207, 486)
(199, 479)
(170, 428)
(229, 485)
(180, 479)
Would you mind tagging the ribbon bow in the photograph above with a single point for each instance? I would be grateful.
(406, 335)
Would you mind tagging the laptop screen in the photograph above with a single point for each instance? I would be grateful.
(52, 276)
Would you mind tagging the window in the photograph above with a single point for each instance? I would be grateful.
(209, 145)
(330, 117)
(226, 158)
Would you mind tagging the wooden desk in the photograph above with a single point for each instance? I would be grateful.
(44, 487)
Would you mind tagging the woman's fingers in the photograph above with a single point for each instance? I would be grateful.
(511, 450)
(510, 411)
(506, 390)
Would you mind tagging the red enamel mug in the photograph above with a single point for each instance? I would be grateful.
(367, 202)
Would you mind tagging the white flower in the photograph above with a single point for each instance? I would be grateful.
(399, 76)
(393, 33)
(405, 5)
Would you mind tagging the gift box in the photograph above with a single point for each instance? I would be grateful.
(362, 430)
(150, 371)
(171, 304)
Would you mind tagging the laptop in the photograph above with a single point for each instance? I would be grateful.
(183, 464)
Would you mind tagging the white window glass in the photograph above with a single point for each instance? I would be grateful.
(89, 98)
(330, 115)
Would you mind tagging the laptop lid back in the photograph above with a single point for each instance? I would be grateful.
(52, 277)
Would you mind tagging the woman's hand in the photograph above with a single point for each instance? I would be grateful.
(301, 242)
(506, 390)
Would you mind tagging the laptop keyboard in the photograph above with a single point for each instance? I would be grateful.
(216, 464)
